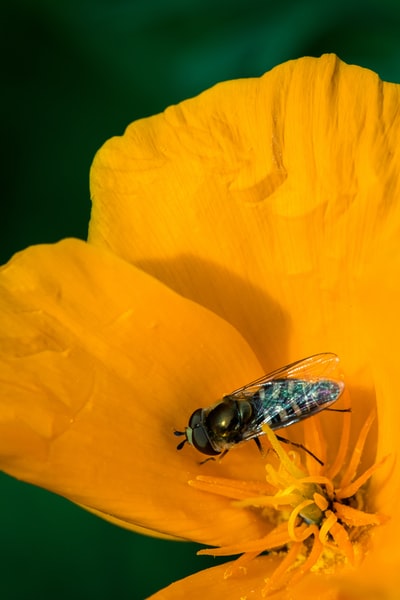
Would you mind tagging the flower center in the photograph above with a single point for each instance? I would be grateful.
(314, 512)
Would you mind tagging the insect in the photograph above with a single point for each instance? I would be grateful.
(279, 399)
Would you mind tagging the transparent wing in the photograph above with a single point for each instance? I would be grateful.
(313, 368)
(308, 371)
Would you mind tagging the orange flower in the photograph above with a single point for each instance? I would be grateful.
(251, 226)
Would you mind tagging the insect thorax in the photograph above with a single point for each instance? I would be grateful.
(226, 420)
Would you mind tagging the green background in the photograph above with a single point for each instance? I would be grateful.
(75, 73)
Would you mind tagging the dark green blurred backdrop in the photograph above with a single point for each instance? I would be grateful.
(75, 73)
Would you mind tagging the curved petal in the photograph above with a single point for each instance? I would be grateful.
(130, 526)
(274, 202)
(99, 363)
(211, 583)
(379, 310)
(279, 194)
(269, 193)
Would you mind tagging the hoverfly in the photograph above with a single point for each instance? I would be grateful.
(279, 399)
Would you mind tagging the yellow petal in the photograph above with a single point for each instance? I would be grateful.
(213, 584)
(262, 199)
(99, 363)
(274, 202)
(379, 310)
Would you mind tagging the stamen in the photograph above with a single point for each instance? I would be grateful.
(285, 565)
(357, 452)
(321, 502)
(314, 438)
(231, 488)
(240, 564)
(357, 518)
(321, 480)
(351, 489)
(342, 448)
(277, 538)
(274, 501)
(284, 458)
(312, 525)
(343, 542)
(312, 558)
(326, 525)
(299, 534)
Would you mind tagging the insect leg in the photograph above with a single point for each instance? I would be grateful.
(297, 445)
(223, 453)
(259, 445)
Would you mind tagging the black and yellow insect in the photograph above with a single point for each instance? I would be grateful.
(279, 399)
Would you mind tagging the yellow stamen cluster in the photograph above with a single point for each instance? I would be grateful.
(315, 511)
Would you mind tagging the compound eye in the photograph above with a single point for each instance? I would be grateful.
(196, 433)
(196, 418)
(201, 441)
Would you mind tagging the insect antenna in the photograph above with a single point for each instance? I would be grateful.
(183, 442)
